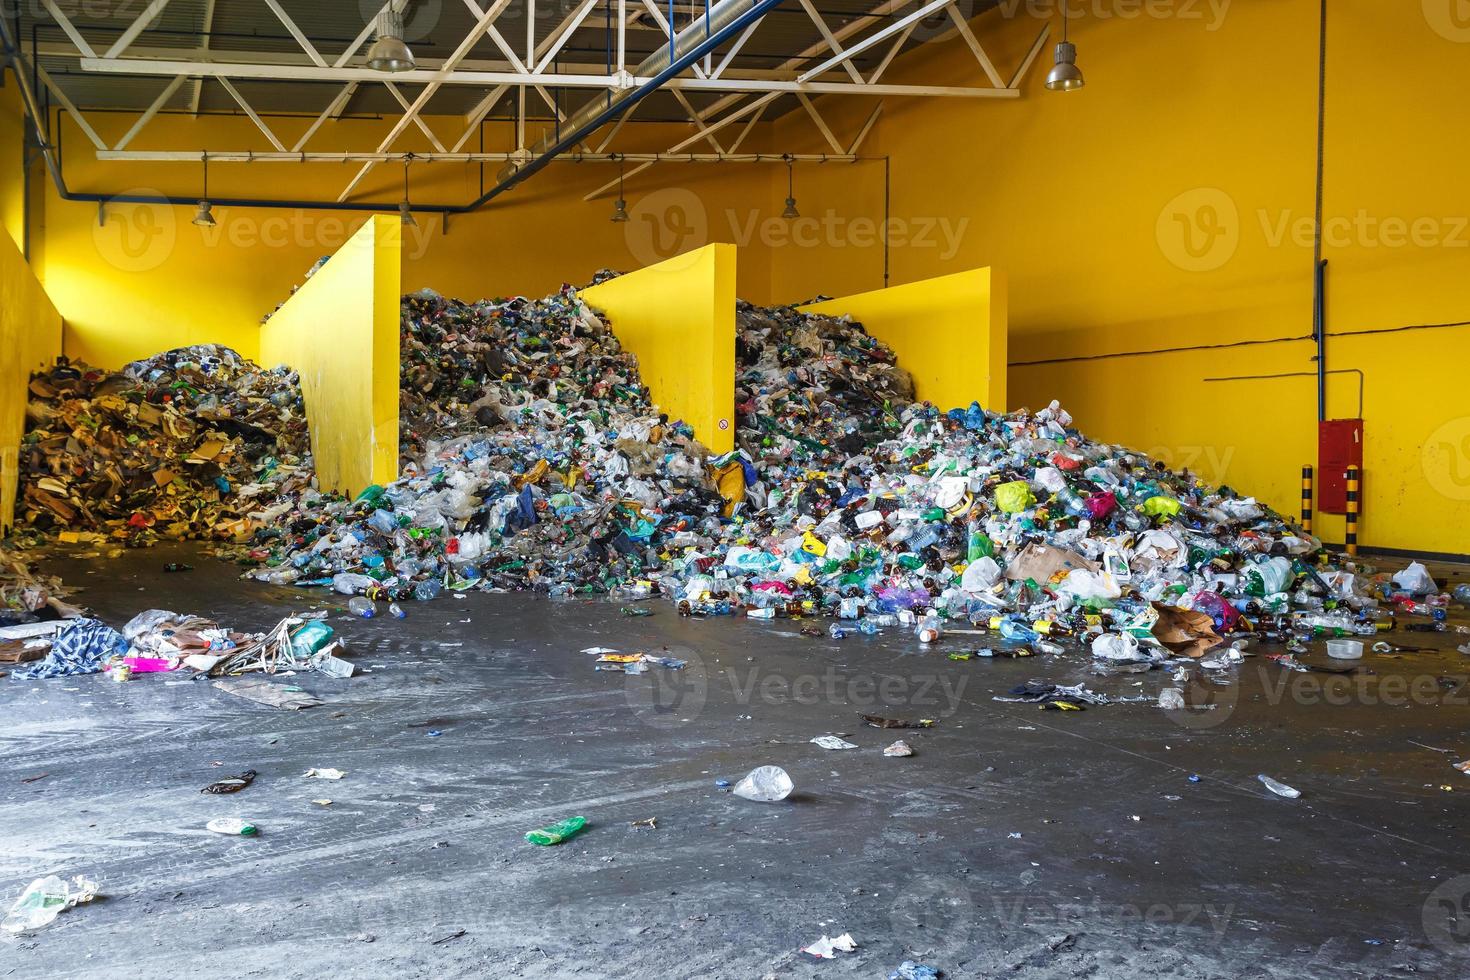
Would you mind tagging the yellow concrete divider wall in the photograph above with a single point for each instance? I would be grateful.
(678, 317)
(30, 337)
(340, 331)
(948, 332)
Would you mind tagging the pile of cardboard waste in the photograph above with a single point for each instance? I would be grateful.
(181, 445)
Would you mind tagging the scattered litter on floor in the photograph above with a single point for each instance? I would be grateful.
(909, 970)
(877, 721)
(832, 742)
(233, 784)
(827, 948)
(46, 898)
(898, 750)
(557, 832)
(232, 826)
(1279, 788)
(268, 693)
(648, 823)
(765, 784)
(324, 774)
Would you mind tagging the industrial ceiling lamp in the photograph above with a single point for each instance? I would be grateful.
(1065, 76)
(388, 52)
(620, 206)
(202, 216)
(790, 214)
(405, 212)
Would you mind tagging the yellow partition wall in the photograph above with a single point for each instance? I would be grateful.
(340, 331)
(948, 332)
(30, 337)
(678, 317)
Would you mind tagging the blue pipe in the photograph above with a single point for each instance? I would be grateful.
(757, 11)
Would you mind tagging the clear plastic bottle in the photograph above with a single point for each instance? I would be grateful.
(362, 606)
(44, 899)
(929, 629)
(396, 611)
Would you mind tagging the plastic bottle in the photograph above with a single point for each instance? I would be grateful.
(362, 606)
(929, 629)
(1012, 630)
(396, 611)
(837, 632)
(867, 627)
(1462, 593)
(232, 826)
(428, 589)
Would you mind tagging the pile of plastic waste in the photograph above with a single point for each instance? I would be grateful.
(544, 466)
(537, 461)
(181, 445)
(469, 367)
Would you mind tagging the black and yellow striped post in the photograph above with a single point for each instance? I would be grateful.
(1307, 498)
(1352, 510)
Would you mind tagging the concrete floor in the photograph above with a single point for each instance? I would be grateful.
(1016, 842)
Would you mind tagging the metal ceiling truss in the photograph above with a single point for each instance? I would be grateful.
(744, 93)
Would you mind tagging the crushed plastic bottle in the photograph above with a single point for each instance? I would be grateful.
(396, 611)
(765, 784)
(1279, 788)
(232, 826)
(362, 607)
(44, 899)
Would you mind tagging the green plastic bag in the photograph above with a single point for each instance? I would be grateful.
(1014, 497)
(1268, 577)
(1161, 507)
(311, 637)
(557, 832)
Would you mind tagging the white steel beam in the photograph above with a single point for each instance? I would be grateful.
(985, 63)
(301, 39)
(66, 104)
(496, 156)
(206, 27)
(867, 127)
(362, 36)
(898, 44)
(152, 111)
(1030, 58)
(330, 112)
(311, 73)
(735, 49)
(811, 110)
(565, 35)
(874, 38)
(418, 120)
(135, 28)
(477, 115)
(71, 31)
(832, 42)
(249, 111)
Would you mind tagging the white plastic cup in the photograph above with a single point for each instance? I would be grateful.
(1345, 649)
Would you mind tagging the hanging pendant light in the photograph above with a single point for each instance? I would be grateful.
(620, 206)
(202, 216)
(790, 213)
(389, 53)
(405, 212)
(1065, 76)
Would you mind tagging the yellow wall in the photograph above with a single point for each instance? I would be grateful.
(147, 279)
(949, 332)
(30, 337)
(340, 331)
(12, 157)
(678, 317)
(1200, 124)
